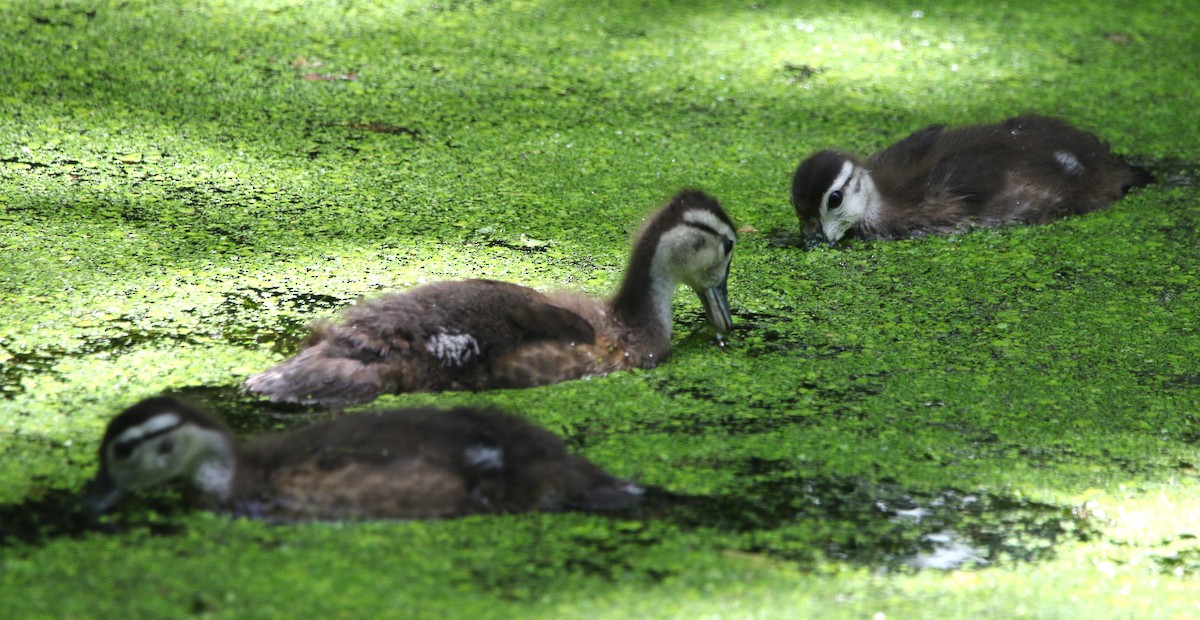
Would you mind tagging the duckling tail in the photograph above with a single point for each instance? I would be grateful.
(617, 495)
(314, 377)
(1138, 177)
(596, 489)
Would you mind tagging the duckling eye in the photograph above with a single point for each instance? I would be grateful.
(835, 199)
(123, 450)
(728, 246)
(165, 446)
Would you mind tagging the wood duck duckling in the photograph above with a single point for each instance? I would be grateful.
(1028, 169)
(484, 334)
(400, 464)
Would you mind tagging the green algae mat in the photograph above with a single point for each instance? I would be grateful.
(1002, 423)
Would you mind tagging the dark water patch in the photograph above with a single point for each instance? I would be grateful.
(1184, 229)
(615, 550)
(1170, 171)
(255, 297)
(1189, 423)
(245, 413)
(115, 340)
(1182, 381)
(1182, 562)
(773, 342)
(799, 73)
(21, 365)
(239, 308)
(490, 237)
(787, 238)
(388, 128)
(764, 417)
(783, 514)
(60, 514)
(757, 408)
(1053, 456)
(1168, 381)
(764, 333)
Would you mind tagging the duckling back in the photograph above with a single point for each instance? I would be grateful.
(441, 336)
(420, 464)
(483, 334)
(404, 464)
(1028, 169)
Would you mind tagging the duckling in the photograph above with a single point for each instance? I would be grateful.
(484, 334)
(401, 464)
(1028, 169)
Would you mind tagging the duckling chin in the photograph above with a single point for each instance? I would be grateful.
(1025, 170)
(484, 334)
(400, 464)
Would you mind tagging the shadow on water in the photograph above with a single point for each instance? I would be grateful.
(42, 360)
(245, 413)
(285, 333)
(59, 514)
(777, 513)
(1170, 171)
(783, 515)
(760, 334)
(230, 324)
(760, 406)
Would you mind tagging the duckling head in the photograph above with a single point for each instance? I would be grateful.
(695, 248)
(834, 190)
(156, 441)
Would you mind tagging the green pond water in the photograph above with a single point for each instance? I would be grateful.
(1002, 423)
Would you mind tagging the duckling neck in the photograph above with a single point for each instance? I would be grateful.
(874, 204)
(214, 456)
(643, 303)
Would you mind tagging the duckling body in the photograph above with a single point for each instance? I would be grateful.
(400, 464)
(1028, 169)
(484, 334)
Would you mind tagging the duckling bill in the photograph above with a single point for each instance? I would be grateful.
(485, 334)
(1025, 170)
(399, 464)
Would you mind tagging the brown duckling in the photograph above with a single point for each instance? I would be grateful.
(484, 334)
(400, 464)
(1028, 169)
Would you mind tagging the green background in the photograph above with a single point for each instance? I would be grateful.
(185, 185)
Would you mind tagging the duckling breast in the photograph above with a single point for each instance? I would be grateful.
(612, 346)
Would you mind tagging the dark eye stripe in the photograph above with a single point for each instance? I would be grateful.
(705, 227)
(712, 231)
(123, 449)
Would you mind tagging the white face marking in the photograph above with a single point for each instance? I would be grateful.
(709, 219)
(633, 489)
(484, 457)
(149, 427)
(859, 200)
(215, 478)
(144, 459)
(1069, 162)
(696, 253)
(453, 349)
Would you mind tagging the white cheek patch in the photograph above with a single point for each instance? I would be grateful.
(838, 183)
(214, 478)
(154, 425)
(1069, 162)
(453, 349)
(484, 457)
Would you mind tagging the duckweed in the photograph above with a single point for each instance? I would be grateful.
(993, 424)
